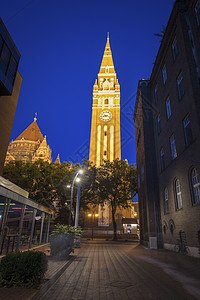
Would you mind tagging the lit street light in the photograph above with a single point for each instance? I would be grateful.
(72, 191)
(93, 215)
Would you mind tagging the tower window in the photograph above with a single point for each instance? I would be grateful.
(173, 147)
(164, 72)
(107, 70)
(168, 108)
(162, 159)
(187, 131)
(105, 133)
(180, 86)
(195, 186)
(179, 203)
(156, 94)
(159, 123)
(175, 49)
(166, 201)
(106, 102)
(105, 153)
(197, 11)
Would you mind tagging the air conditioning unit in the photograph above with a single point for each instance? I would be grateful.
(153, 243)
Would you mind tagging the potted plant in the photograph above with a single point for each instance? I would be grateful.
(63, 240)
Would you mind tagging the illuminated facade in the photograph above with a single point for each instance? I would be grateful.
(30, 146)
(105, 140)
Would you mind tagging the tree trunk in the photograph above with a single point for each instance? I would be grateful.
(114, 223)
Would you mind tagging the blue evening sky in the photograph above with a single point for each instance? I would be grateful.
(61, 44)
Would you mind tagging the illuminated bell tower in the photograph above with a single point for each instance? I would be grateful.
(105, 140)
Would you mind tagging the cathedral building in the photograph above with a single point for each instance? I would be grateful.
(29, 146)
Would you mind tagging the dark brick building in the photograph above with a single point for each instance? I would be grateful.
(10, 84)
(167, 122)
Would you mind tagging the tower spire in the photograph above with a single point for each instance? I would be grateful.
(107, 60)
(35, 119)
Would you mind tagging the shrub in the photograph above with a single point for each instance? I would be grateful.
(59, 228)
(23, 269)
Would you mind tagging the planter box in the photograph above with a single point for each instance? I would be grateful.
(61, 245)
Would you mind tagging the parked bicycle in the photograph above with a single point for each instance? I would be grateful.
(181, 247)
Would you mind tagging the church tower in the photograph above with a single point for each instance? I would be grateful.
(105, 139)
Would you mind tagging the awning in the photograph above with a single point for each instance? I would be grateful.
(129, 221)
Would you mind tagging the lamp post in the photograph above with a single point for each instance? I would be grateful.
(93, 215)
(72, 191)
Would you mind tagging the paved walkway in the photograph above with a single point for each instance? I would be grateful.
(124, 271)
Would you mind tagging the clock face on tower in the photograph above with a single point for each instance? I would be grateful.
(105, 116)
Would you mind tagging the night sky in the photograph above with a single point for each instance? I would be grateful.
(61, 44)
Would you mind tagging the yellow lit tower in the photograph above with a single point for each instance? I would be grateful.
(105, 140)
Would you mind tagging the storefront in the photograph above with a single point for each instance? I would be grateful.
(23, 223)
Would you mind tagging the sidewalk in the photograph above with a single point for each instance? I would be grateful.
(55, 269)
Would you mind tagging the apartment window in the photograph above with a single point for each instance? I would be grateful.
(162, 159)
(166, 201)
(164, 73)
(173, 147)
(195, 186)
(197, 11)
(179, 203)
(180, 86)
(187, 131)
(156, 94)
(175, 49)
(168, 108)
(142, 173)
(159, 123)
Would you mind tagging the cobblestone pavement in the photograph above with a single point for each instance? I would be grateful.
(125, 271)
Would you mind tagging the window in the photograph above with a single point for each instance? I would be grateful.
(180, 86)
(175, 49)
(106, 102)
(105, 133)
(164, 73)
(159, 123)
(173, 147)
(107, 69)
(156, 94)
(166, 201)
(104, 153)
(111, 101)
(197, 11)
(179, 203)
(142, 173)
(195, 186)
(187, 131)
(162, 159)
(168, 108)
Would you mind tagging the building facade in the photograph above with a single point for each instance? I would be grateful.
(10, 84)
(29, 146)
(173, 103)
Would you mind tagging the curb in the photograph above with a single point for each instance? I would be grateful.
(45, 287)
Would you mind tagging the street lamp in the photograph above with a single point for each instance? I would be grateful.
(93, 215)
(72, 191)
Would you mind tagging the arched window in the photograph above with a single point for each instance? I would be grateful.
(106, 101)
(179, 203)
(195, 186)
(166, 201)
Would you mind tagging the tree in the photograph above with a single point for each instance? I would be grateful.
(44, 181)
(117, 185)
